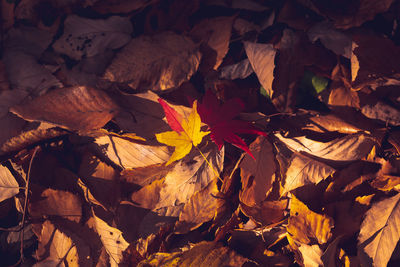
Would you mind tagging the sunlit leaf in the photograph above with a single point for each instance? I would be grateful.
(379, 231)
(183, 141)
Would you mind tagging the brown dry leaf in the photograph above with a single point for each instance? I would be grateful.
(120, 6)
(331, 38)
(128, 153)
(311, 255)
(330, 258)
(262, 59)
(142, 114)
(305, 225)
(240, 70)
(201, 208)
(24, 139)
(374, 61)
(257, 174)
(331, 123)
(383, 112)
(379, 232)
(111, 238)
(57, 203)
(77, 108)
(184, 180)
(348, 148)
(266, 212)
(101, 179)
(9, 187)
(23, 47)
(158, 62)
(203, 254)
(386, 182)
(215, 34)
(83, 37)
(57, 247)
(304, 170)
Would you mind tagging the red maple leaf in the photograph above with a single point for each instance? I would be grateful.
(220, 120)
(174, 119)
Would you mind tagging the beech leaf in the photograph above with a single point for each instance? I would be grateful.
(379, 232)
(304, 170)
(8, 185)
(77, 108)
(159, 62)
(305, 225)
(189, 135)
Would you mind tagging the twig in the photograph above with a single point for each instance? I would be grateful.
(28, 176)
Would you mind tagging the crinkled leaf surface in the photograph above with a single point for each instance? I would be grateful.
(379, 231)
(88, 37)
(350, 147)
(158, 62)
(304, 170)
(77, 108)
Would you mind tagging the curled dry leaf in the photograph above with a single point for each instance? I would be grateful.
(348, 148)
(257, 174)
(383, 112)
(76, 108)
(159, 62)
(215, 34)
(43, 132)
(331, 123)
(262, 59)
(304, 170)
(111, 237)
(9, 187)
(305, 225)
(379, 233)
(84, 37)
(202, 254)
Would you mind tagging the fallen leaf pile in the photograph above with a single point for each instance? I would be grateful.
(200, 133)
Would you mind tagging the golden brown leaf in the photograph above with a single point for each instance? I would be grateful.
(159, 62)
(305, 225)
(257, 174)
(77, 108)
(203, 254)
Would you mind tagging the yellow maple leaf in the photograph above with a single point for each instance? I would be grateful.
(183, 141)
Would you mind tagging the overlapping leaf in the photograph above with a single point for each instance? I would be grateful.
(221, 122)
(186, 132)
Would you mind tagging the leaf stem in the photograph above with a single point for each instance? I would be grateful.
(209, 164)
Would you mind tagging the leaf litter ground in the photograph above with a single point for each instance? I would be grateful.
(199, 133)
